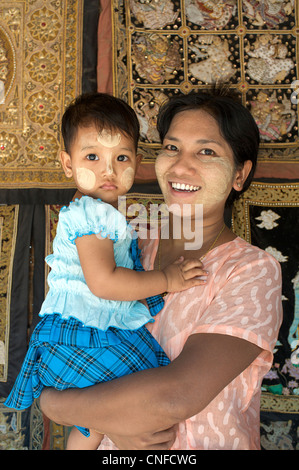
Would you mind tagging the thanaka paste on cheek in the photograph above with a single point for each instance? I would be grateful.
(127, 178)
(86, 179)
(160, 160)
(107, 139)
(217, 180)
(215, 177)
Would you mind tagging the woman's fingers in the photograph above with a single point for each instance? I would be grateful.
(161, 440)
(164, 440)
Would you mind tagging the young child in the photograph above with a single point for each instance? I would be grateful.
(93, 322)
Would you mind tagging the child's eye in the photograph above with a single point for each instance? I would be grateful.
(122, 158)
(92, 157)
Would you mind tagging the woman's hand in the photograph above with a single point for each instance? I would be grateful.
(162, 440)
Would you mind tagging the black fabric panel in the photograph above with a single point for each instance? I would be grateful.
(19, 299)
(59, 196)
(279, 431)
(36, 196)
(38, 241)
(287, 228)
(90, 45)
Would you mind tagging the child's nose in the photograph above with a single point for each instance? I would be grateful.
(108, 168)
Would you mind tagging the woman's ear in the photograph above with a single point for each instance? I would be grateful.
(66, 163)
(241, 175)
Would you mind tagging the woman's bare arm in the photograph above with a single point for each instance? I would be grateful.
(155, 399)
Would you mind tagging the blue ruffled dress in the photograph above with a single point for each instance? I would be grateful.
(82, 339)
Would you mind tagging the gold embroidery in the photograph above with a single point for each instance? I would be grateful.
(261, 194)
(40, 73)
(173, 47)
(279, 403)
(9, 224)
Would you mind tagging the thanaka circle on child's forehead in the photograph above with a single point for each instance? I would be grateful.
(108, 138)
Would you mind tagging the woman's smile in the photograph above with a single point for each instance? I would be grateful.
(185, 189)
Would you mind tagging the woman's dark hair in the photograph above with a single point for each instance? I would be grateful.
(236, 124)
(102, 110)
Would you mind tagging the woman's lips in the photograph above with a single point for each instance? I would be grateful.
(184, 187)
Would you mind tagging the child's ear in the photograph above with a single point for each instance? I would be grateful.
(66, 163)
(138, 159)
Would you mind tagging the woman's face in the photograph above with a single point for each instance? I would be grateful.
(196, 165)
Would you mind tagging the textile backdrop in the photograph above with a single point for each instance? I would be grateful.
(142, 52)
(160, 49)
(164, 48)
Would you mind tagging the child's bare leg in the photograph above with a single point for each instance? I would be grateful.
(77, 441)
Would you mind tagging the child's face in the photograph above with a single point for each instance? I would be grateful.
(103, 164)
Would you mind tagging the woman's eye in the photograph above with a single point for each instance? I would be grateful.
(171, 148)
(122, 158)
(92, 157)
(207, 152)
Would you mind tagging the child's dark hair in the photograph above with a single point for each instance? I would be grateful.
(102, 110)
(236, 124)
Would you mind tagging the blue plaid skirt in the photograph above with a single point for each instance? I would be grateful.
(65, 354)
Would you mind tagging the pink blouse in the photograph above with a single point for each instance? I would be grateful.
(242, 298)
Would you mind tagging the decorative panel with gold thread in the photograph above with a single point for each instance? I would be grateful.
(8, 235)
(40, 73)
(174, 46)
(267, 215)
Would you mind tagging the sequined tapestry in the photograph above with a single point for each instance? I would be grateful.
(267, 215)
(8, 234)
(167, 47)
(40, 72)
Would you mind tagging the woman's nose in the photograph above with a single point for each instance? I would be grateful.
(184, 164)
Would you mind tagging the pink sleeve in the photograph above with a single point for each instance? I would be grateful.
(248, 304)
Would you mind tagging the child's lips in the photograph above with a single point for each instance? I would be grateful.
(108, 186)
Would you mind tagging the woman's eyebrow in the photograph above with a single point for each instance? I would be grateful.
(169, 137)
(208, 141)
(198, 141)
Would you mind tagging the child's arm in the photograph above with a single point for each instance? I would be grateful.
(108, 281)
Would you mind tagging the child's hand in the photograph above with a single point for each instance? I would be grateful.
(183, 274)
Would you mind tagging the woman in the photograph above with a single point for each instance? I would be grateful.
(220, 336)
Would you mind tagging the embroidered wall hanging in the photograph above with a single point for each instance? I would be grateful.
(169, 47)
(8, 235)
(40, 73)
(267, 215)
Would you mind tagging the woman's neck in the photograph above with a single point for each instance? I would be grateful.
(193, 233)
(205, 237)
